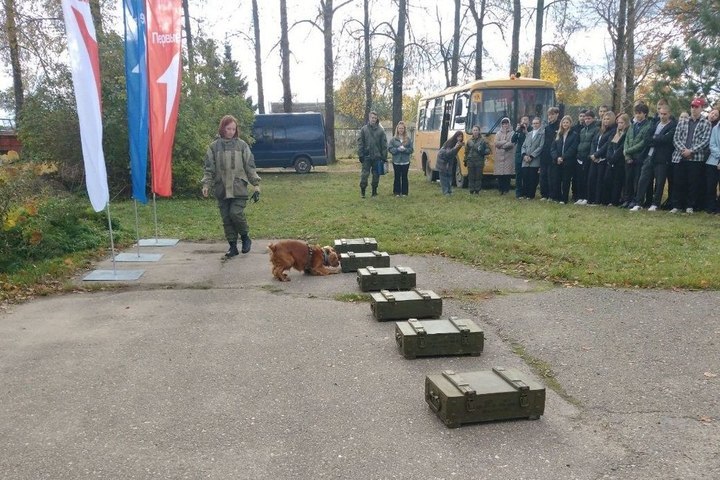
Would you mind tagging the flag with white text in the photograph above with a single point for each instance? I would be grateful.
(85, 67)
(137, 94)
(164, 19)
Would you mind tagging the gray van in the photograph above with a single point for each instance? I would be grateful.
(287, 140)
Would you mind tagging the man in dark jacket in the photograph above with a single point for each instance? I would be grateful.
(518, 139)
(372, 148)
(545, 158)
(635, 151)
(586, 137)
(660, 140)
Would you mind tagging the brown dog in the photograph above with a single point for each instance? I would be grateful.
(311, 259)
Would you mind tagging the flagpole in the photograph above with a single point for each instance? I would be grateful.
(112, 241)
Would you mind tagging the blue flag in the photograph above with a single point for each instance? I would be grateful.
(137, 94)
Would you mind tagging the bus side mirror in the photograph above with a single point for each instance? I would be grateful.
(460, 119)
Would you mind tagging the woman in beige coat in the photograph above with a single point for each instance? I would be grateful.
(504, 158)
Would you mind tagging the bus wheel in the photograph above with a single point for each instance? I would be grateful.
(429, 172)
(302, 165)
(460, 180)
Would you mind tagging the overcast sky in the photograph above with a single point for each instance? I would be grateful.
(306, 67)
(222, 19)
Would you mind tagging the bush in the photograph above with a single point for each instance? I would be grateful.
(48, 228)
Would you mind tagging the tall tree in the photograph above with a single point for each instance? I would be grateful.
(189, 38)
(479, 18)
(12, 39)
(537, 52)
(515, 49)
(285, 57)
(399, 63)
(630, 58)
(693, 67)
(455, 60)
(367, 68)
(326, 12)
(258, 62)
(620, 44)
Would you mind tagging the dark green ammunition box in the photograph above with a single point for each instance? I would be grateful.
(425, 338)
(497, 394)
(392, 278)
(351, 261)
(402, 305)
(357, 245)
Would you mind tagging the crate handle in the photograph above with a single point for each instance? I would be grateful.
(371, 270)
(516, 383)
(417, 326)
(433, 400)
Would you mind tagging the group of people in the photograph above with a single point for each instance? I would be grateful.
(603, 159)
(615, 160)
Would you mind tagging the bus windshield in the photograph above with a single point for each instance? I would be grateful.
(489, 106)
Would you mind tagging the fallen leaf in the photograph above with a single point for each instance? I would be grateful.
(705, 419)
(710, 375)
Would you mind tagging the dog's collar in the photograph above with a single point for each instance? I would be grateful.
(326, 257)
(311, 252)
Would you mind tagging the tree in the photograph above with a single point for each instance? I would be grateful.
(285, 57)
(367, 70)
(537, 52)
(14, 49)
(481, 18)
(692, 68)
(326, 12)
(351, 106)
(515, 49)
(188, 38)
(258, 62)
(559, 68)
(399, 64)
(455, 59)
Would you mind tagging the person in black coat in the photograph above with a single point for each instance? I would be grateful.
(545, 158)
(597, 194)
(615, 171)
(564, 155)
(660, 141)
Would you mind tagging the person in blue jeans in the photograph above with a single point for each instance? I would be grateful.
(400, 147)
(447, 161)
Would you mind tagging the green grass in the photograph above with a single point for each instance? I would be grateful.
(561, 243)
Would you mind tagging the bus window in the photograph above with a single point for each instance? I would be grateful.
(535, 102)
(435, 115)
(460, 114)
(421, 119)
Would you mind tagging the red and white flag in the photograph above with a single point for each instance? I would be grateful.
(164, 37)
(85, 67)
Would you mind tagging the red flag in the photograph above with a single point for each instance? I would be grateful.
(163, 57)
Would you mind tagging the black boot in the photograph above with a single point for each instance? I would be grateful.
(362, 192)
(374, 191)
(246, 243)
(232, 251)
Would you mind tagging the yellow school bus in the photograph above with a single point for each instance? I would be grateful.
(481, 102)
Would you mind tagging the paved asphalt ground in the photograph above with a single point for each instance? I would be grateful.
(210, 369)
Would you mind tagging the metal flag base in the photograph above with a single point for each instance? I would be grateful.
(113, 275)
(158, 242)
(138, 257)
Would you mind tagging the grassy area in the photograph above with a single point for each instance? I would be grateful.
(561, 243)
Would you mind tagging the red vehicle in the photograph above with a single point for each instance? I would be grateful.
(8, 137)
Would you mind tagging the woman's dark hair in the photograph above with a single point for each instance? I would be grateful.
(224, 122)
(452, 141)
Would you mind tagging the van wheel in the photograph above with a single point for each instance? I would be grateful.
(303, 165)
